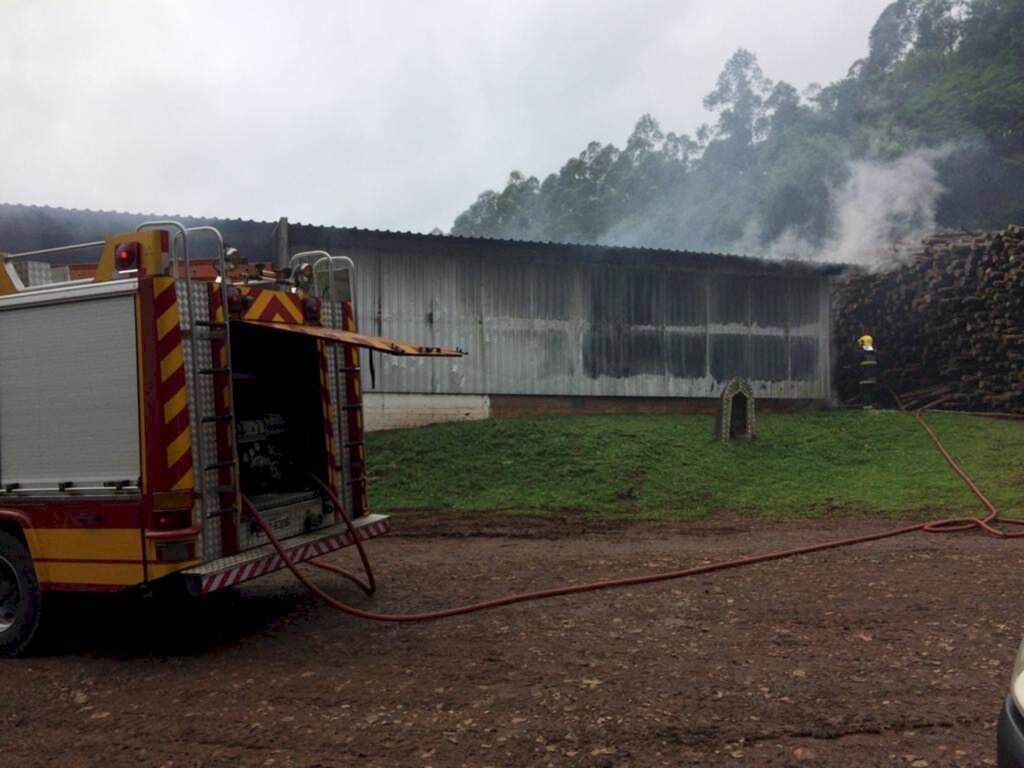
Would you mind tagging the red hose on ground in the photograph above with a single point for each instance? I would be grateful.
(949, 525)
(370, 585)
(954, 524)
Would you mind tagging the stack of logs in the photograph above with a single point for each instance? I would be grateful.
(948, 322)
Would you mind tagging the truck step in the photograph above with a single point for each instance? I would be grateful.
(227, 571)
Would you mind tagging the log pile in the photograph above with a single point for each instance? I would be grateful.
(948, 322)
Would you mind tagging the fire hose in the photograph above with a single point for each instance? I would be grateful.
(987, 524)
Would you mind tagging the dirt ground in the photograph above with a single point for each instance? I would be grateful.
(892, 653)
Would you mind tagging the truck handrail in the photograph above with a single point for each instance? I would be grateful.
(14, 489)
(46, 251)
(60, 284)
(335, 314)
(324, 256)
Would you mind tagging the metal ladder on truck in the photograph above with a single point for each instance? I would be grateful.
(220, 497)
(322, 275)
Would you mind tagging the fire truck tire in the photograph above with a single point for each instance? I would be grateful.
(21, 600)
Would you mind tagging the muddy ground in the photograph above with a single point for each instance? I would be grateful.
(893, 653)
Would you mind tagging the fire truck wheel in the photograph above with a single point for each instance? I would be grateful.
(21, 599)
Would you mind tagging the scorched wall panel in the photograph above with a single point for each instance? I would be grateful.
(541, 325)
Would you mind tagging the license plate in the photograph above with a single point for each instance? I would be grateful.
(276, 524)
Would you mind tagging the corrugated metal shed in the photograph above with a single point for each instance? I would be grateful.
(576, 320)
(546, 318)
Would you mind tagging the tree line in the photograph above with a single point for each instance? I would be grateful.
(944, 75)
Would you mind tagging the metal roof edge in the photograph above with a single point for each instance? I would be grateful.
(797, 264)
(825, 268)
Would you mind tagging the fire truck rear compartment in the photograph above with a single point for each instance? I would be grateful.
(280, 429)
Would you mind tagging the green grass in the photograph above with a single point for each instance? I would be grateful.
(668, 467)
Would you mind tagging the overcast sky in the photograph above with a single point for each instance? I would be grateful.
(375, 114)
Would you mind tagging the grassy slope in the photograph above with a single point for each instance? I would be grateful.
(668, 467)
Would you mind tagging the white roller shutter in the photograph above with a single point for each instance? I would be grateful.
(69, 408)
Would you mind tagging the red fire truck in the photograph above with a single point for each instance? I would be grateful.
(140, 404)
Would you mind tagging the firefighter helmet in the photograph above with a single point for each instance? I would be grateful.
(866, 341)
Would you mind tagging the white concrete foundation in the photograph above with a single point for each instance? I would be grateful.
(398, 411)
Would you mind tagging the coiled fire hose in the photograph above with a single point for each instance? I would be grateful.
(986, 524)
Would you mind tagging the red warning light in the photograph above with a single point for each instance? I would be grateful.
(126, 256)
(234, 299)
(312, 309)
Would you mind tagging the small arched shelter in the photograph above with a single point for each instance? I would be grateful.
(736, 418)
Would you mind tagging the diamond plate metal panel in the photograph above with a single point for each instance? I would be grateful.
(201, 404)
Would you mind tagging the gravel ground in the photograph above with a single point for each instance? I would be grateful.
(891, 653)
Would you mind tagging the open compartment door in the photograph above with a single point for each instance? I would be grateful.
(376, 343)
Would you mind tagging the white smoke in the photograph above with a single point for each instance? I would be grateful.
(882, 210)
(884, 204)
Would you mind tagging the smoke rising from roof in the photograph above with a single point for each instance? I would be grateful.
(881, 205)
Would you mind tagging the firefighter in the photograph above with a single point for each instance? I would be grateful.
(868, 367)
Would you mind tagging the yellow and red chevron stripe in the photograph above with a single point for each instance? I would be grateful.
(273, 306)
(172, 392)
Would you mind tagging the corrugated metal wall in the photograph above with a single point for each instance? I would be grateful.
(550, 323)
(545, 319)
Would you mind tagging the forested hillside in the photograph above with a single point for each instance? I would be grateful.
(926, 131)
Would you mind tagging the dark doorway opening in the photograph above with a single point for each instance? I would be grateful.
(738, 416)
(278, 409)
